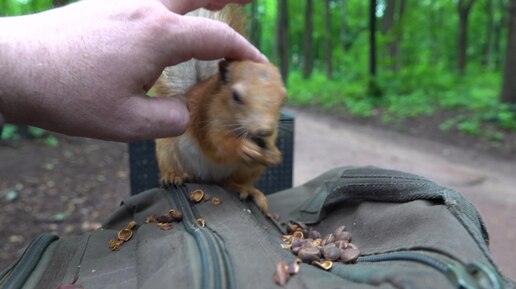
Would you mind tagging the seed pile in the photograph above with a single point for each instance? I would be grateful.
(312, 248)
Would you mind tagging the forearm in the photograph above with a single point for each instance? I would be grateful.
(13, 58)
(26, 76)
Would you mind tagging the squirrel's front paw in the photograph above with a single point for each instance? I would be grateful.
(250, 152)
(173, 178)
(253, 153)
(272, 156)
(258, 197)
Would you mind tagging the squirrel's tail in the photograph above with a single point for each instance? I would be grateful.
(177, 80)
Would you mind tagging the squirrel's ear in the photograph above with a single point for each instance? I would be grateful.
(223, 70)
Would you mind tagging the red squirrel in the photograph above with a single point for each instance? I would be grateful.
(234, 117)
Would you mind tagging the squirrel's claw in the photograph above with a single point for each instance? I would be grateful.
(258, 197)
(172, 178)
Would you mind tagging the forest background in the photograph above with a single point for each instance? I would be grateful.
(392, 60)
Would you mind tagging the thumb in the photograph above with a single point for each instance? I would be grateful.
(154, 117)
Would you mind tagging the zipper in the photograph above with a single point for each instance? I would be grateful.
(463, 276)
(15, 276)
(215, 261)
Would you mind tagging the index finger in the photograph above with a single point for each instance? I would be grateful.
(207, 39)
(185, 6)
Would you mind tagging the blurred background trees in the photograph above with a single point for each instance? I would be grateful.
(392, 59)
(398, 59)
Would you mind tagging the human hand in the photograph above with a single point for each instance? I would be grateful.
(84, 69)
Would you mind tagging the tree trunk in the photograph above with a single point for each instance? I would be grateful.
(388, 16)
(373, 87)
(282, 38)
(307, 47)
(509, 84)
(488, 46)
(387, 29)
(327, 39)
(343, 26)
(59, 3)
(497, 37)
(254, 27)
(372, 38)
(464, 7)
(399, 34)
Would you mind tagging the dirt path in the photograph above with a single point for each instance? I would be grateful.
(323, 142)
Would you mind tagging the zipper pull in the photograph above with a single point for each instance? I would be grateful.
(472, 276)
(485, 276)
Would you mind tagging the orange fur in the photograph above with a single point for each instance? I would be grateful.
(229, 141)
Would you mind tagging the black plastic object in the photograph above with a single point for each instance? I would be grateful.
(145, 174)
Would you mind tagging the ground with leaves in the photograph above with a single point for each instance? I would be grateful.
(69, 189)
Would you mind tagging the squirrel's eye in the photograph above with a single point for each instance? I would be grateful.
(237, 98)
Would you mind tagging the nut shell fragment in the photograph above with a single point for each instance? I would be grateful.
(150, 219)
(176, 215)
(216, 201)
(164, 226)
(131, 225)
(197, 196)
(125, 234)
(281, 274)
(298, 234)
(326, 265)
(291, 228)
(293, 267)
(287, 238)
(115, 244)
(286, 245)
(317, 242)
(201, 222)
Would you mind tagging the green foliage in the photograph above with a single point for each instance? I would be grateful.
(475, 97)
(420, 80)
(21, 7)
(10, 132)
(330, 94)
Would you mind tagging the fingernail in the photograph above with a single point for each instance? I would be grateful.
(263, 58)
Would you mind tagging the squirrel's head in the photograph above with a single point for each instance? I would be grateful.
(251, 97)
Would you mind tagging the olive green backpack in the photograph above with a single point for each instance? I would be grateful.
(411, 233)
